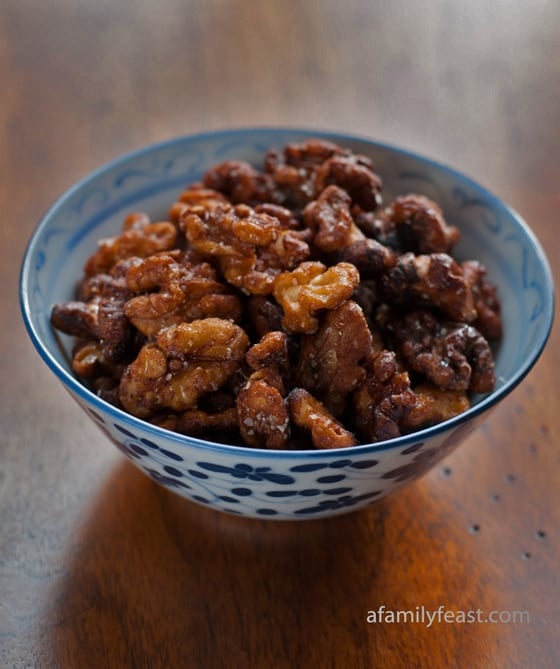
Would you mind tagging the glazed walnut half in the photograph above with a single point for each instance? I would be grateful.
(184, 363)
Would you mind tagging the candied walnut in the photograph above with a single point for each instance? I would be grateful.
(186, 362)
(249, 248)
(113, 327)
(421, 227)
(367, 296)
(186, 292)
(264, 315)
(195, 195)
(285, 253)
(107, 388)
(335, 231)
(430, 280)
(103, 375)
(262, 413)
(353, 173)
(451, 355)
(310, 153)
(331, 361)
(378, 225)
(211, 339)
(434, 405)
(238, 180)
(329, 216)
(100, 316)
(198, 422)
(384, 400)
(136, 220)
(312, 416)
(89, 360)
(487, 304)
(139, 239)
(286, 217)
(76, 318)
(294, 170)
(271, 352)
(312, 287)
(370, 256)
(90, 287)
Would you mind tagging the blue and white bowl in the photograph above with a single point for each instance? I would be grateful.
(265, 483)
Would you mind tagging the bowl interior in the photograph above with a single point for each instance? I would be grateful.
(150, 179)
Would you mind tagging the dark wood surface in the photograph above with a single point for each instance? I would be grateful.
(101, 568)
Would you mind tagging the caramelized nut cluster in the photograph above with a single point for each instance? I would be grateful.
(284, 307)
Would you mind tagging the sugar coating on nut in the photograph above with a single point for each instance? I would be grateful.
(433, 405)
(168, 291)
(136, 241)
(311, 415)
(432, 280)
(311, 287)
(262, 412)
(186, 362)
(384, 400)
(331, 362)
(453, 356)
(420, 225)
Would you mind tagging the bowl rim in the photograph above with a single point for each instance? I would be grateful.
(187, 441)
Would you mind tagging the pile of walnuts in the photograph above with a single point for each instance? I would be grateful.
(283, 306)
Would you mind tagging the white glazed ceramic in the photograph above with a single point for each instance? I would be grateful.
(281, 484)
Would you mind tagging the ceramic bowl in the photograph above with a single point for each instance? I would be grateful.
(282, 484)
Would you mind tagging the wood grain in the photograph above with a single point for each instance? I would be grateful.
(101, 568)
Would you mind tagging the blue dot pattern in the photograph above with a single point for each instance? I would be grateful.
(282, 490)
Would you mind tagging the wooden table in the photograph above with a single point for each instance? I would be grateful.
(99, 567)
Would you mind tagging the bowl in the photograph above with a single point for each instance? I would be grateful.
(283, 485)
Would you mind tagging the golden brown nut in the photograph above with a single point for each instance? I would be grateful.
(103, 375)
(195, 195)
(354, 173)
(331, 361)
(330, 218)
(312, 416)
(421, 227)
(235, 237)
(113, 328)
(285, 253)
(185, 292)
(88, 359)
(384, 400)
(239, 181)
(433, 405)
(100, 315)
(451, 355)
(76, 318)
(430, 280)
(261, 409)
(270, 351)
(263, 315)
(307, 154)
(139, 239)
(286, 217)
(186, 362)
(293, 171)
(198, 422)
(312, 287)
(487, 304)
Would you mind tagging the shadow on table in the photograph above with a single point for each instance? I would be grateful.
(152, 580)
